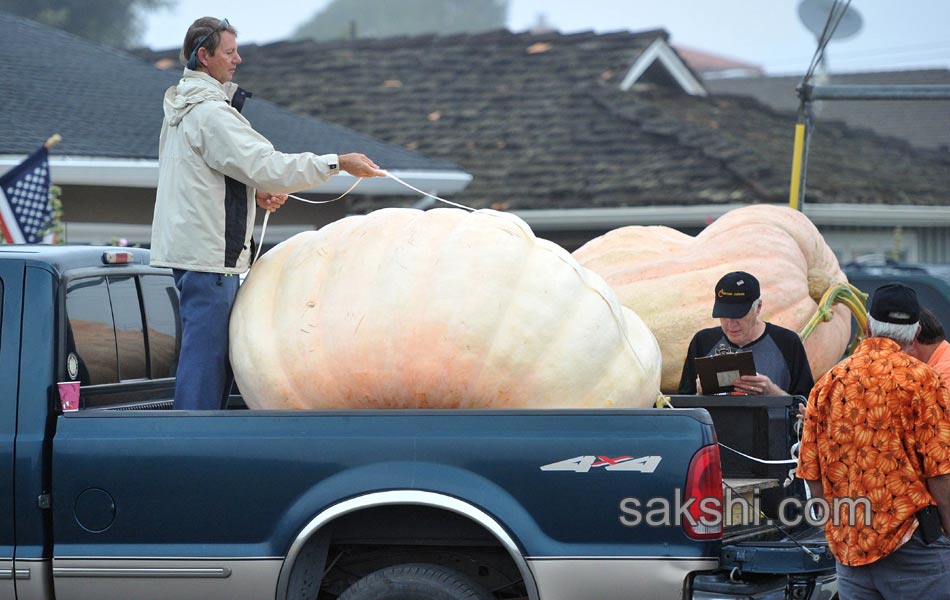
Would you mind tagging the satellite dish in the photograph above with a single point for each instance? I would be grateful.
(814, 15)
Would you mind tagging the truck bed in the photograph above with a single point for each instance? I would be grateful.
(184, 497)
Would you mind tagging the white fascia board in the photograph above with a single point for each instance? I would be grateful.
(143, 173)
(660, 50)
(844, 215)
(432, 182)
(136, 233)
(878, 215)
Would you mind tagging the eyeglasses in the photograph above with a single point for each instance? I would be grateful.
(193, 59)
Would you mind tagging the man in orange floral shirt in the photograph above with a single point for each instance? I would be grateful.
(878, 428)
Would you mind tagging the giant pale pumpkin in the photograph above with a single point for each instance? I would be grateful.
(440, 309)
(668, 278)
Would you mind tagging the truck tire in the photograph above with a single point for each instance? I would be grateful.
(415, 582)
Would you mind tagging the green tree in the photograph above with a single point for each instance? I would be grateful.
(343, 19)
(116, 23)
(56, 225)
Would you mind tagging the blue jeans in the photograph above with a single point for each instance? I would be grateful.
(203, 379)
(915, 571)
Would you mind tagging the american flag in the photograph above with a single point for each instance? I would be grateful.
(25, 209)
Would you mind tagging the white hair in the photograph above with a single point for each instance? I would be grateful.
(902, 334)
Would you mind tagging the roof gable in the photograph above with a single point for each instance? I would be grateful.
(660, 52)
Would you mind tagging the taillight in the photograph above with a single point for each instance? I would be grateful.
(704, 486)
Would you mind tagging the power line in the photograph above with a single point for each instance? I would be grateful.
(936, 61)
(936, 51)
(834, 19)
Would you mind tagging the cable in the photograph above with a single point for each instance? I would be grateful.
(816, 57)
(789, 461)
(267, 213)
(936, 59)
(827, 33)
(936, 48)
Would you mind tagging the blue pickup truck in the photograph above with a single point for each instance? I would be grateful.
(125, 498)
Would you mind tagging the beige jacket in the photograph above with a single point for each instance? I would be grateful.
(211, 161)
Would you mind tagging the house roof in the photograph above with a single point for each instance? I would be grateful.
(541, 123)
(107, 105)
(713, 66)
(922, 123)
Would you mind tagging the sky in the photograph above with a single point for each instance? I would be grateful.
(768, 33)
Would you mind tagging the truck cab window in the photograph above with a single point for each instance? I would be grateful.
(162, 320)
(129, 332)
(89, 313)
(125, 331)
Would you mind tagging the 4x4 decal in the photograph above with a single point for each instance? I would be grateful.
(583, 464)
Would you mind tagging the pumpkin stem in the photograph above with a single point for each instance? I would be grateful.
(852, 298)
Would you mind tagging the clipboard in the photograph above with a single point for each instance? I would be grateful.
(717, 372)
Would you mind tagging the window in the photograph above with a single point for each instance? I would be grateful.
(163, 323)
(129, 332)
(90, 331)
(113, 337)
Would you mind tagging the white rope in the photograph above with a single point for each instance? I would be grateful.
(267, 213)
(343, 195)
(790, 461)
(415, 189)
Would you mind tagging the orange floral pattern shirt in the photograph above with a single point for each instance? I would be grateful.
(877, 426)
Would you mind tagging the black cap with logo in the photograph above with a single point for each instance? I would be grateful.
(735, 294)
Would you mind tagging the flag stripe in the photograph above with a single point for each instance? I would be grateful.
(11, 231)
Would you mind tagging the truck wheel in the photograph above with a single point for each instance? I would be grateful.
(415, 582)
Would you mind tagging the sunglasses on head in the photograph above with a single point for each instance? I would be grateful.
(193, 59)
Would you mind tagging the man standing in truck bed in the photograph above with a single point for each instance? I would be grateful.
(877, 432)
(213, 166)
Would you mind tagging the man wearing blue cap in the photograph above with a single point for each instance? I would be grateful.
(780, 360)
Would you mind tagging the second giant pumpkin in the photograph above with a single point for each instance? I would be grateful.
(668, 278)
